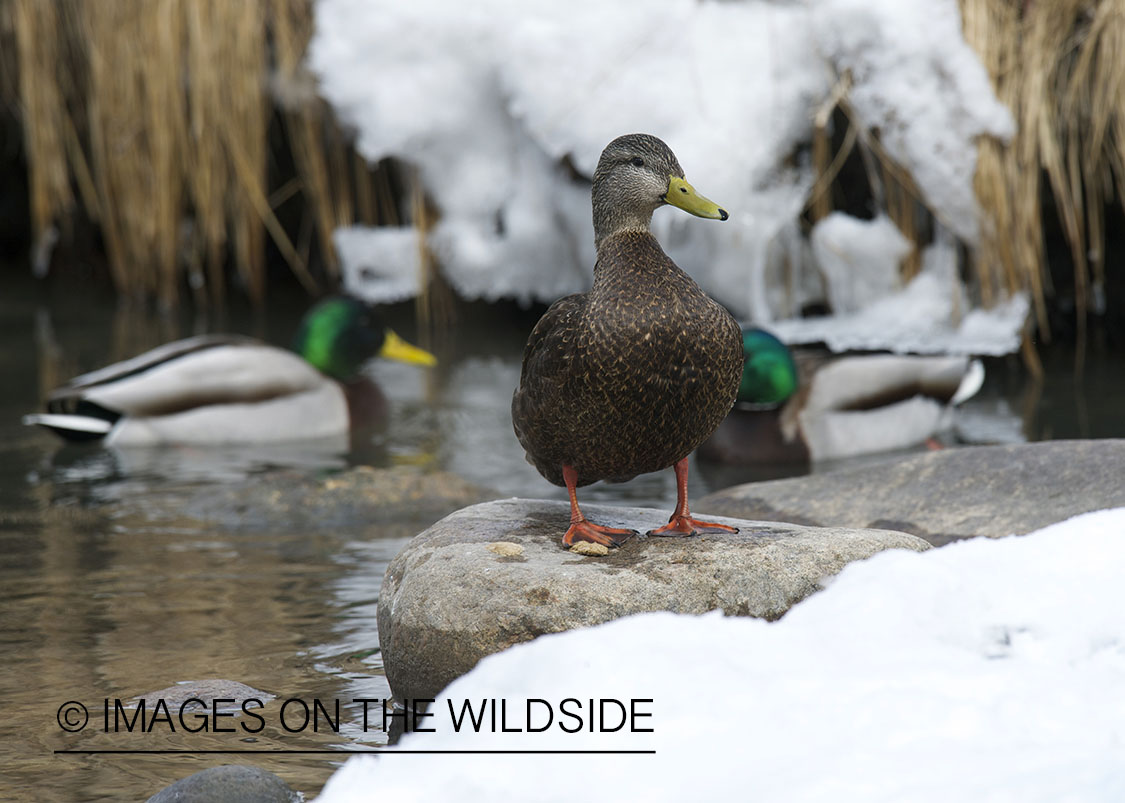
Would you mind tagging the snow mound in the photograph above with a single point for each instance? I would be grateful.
(918, 83)
(859, 258)
(504, 109)
(379, 264)
(930, 315)
(985, 670)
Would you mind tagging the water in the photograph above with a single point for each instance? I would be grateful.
(99, 602)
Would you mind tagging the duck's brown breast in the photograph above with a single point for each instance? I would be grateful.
(630, 377)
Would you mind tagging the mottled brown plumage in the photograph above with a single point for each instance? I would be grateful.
(630, 377)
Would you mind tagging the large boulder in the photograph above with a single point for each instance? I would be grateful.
(948, 494)
(495, 574)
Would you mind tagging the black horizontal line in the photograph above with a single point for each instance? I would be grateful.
(384, 751)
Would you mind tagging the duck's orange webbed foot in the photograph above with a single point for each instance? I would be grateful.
(681, 523)
(685, 525)
(595, 533)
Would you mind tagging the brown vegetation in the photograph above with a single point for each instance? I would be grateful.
(145, 115)
(1058, 67)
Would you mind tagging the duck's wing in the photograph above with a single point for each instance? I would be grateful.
(150, 359)
(878, 380)
(549, 359)
(318, 415)
(189, 373)
(553, 340)
(877, 403)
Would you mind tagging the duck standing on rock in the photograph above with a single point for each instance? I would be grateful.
(215, 389)
(630, 377)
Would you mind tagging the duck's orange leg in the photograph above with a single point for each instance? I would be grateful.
(681, 522)
(582, 530)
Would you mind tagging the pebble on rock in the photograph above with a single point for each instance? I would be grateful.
(506, 549)
(590, 548)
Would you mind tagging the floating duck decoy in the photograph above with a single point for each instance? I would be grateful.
(234, 389)
(811, 406)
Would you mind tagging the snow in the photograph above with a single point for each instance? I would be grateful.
(502, 97)
(930, 315)
(985, 670)
(503, 110)
(858, 258)
(916, 81)
(379, 263)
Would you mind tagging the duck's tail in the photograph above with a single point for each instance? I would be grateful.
(970, 383)
(71, 427)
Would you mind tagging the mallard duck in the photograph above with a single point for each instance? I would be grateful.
(813, 407)
(630, 377)
(233, 389)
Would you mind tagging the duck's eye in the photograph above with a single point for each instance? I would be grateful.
(638, 161)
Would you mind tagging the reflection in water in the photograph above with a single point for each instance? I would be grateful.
(96, 609)
(105, 474)
(97, 603)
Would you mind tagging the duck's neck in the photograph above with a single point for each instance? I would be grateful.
(616, 211)
(631, 258)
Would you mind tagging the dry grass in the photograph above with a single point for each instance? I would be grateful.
(45, 118)
(153, 117)
(434, 305)
(1057, 66)
(157, 114)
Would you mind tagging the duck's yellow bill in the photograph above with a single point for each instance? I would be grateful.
(395, 348)
(683, 195)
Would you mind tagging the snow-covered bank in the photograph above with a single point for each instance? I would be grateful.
(986, 670)
(930, 314)
(504, 110)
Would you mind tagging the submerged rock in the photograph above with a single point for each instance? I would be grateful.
(948, 494)
(202, 694)
(294, 500)
(450, 597)
(228, 784)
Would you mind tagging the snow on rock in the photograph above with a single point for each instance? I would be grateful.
(916, 81)
(379, 263)
(986, 670)
(503, 111)
(860, 259)
(487, 103)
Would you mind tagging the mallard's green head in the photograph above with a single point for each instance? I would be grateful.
(637, 173)
(769, 375)
(339, 335)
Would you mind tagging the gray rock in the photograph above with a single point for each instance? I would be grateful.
(294, 501)
(193, 694)
(461, 590)
(949, 494)
(228, 784)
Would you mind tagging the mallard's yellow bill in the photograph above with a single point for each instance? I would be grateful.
(683, 195)
(395, 348)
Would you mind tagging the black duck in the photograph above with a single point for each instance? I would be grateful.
(630, 377)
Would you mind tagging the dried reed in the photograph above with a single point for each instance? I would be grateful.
(159, 114)
(1057, 66)
(43, 112)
